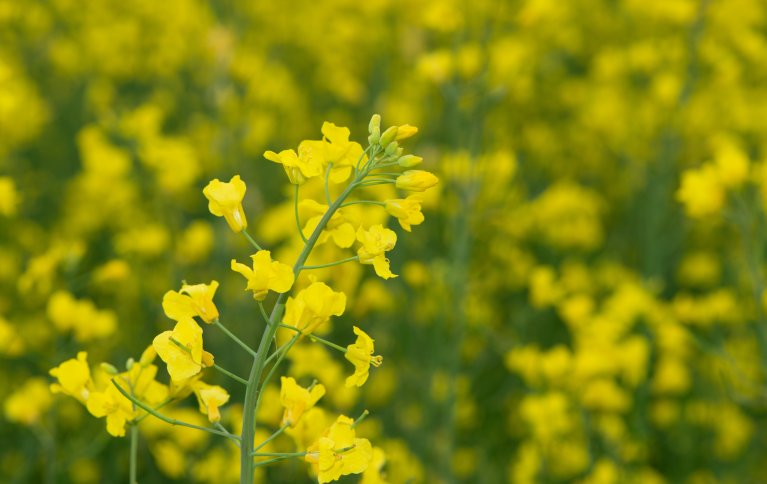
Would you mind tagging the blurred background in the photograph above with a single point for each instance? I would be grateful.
(582, 304)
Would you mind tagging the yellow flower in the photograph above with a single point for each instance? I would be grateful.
(374, 474)
(341, 231)
(299, 167)
(74, 377)
(701, 192)
(375, 242)
(266, 275)
(339, 453)
(225, 200)
(313, 306)
(416, 180)
(334, 148)
(114, 406)
(181, 349)
(191, 301)
(360, 354)
(407, 211)
(210, 398)
(28, 404)
(297, 399)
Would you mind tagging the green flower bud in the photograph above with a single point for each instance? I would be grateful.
(409, 161)
(388, 136)
(391, 148)
(109, 369)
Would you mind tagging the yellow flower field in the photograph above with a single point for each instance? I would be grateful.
(393, 242)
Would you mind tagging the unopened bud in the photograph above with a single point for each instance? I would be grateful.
(409, 161)
(109, 369)
(129, 364)
(391, 148)
(388, 136)
(375, 123)
(405, 131)
(148, 356)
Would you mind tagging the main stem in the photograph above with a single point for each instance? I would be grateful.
(251, 392)
(133, 453)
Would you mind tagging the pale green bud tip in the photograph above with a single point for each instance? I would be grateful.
(388, 136)
(408, 161)
(375, 124)
(129, 364)
(109, 369)
(391, 148)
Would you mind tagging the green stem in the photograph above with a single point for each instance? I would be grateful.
(276, 365)
(357, 202)
(253, 389)
(279, 454)
(158, 407)
(271, 437)
(270, 461)
(298, 219)
(362, 417)
(231, 435)
(133, 453)
(230, 374)
(235, 338)
(331, 264)
(251, 240)
(165, 419)
(314, 337)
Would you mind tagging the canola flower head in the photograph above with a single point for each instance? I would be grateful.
(360, 354)
(73, 377)
(210, 398)
(225, 200)
(313, 306)
(299, 167)
(297, 400)
(338, 228)
(190, 301)
(339, 452)
(265, 275)
(416, 180)
(111, 404)
(181, 350)
(701, 192)
(407, 211)
(375, 242)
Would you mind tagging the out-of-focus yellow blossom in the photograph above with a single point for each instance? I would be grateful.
(299, 167)
(375, 474)
(360, 354)
(29, 402)
(181, 349)
(416, 181)
(731, 163)
(190, 301)
(338, 227)
(80, 317)
(9, 197)
(376, 241)
(339, 452)
(297, 399)
(407, 210)
(11, 343)
(313, 306)
(74, 377)
(265, 275)
(210, 398)
(701, 192)
(225, 200)
(196, 242)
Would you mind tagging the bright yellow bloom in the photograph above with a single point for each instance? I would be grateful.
(266, 275)
(313, 306)
(374, 474)
(299, 167)
(338, 228)
(339, 453)
(407, 211)
(191, 301)
(297, 399)
(360, 354)
(181, 349)
(416, 180)
(114, 406)
(334, 148)
(701, 192)
(74, 378)
(28, 404)
(210, 398)
(225, 200)
(375, 242)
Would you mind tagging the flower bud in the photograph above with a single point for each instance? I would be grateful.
(416, 180)
(388, 136)
(409, 161)
(405, 131)
(375, 124)
(129, 364)
(148, 356)
(391, 148)
(109, 369)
